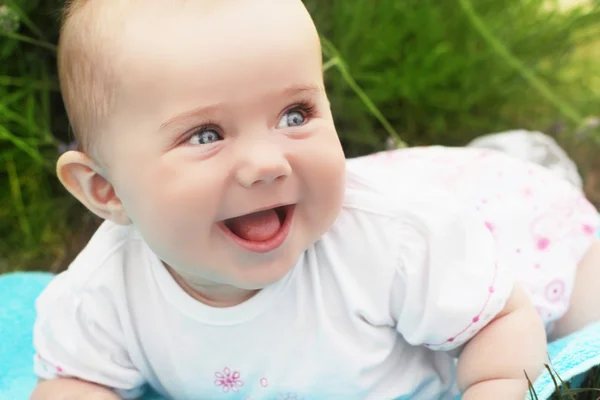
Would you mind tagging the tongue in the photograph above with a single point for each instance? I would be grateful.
(256, 227)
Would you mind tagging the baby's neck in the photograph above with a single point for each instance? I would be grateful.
(220, 296)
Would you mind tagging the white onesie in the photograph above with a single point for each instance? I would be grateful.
(409, 270)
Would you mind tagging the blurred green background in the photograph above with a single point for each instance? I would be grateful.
(429, 71)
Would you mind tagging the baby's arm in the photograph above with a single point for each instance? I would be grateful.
(71, 389)
(81, 350)
(493, 362)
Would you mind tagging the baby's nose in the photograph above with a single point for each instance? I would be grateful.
(262, 165)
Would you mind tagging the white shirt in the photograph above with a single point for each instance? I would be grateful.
(368, 312)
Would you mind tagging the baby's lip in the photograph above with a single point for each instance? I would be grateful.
(277, 207)
(286, 217)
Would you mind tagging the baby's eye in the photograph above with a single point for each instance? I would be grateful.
(205, 136)
(291, 119)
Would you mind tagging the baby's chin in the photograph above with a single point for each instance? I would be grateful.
(261, 280)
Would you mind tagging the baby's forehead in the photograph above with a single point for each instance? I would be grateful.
(189, 39)
(160, 29)
(114, 19)
(114, 54)
(264, 12)
(242, 19)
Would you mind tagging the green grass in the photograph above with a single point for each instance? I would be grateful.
(33, 208)
(445, 72)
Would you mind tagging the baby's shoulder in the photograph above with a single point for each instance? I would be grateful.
(386, 218)
(385, 199)
(385, 228)
(102, 263)
(383, 214)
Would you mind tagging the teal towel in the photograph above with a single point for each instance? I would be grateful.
(570, 356)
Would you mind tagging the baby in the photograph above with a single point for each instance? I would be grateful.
(243, 257)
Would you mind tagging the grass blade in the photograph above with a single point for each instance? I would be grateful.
(26, 20)
(23, 146)
(17, 198)
(527, 74)
(532, 392)
(30, 40)
(337, 61)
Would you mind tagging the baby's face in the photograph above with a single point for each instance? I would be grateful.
(221, 112)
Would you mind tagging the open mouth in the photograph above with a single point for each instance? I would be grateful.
(261, 231)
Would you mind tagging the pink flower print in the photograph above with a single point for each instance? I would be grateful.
(555, 291)
(228, 380)
(543, 243)
(264, 382)
(567, 217)
(588, 229)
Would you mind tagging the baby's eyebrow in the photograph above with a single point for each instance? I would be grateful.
(290, 91)
(189, 114)
(301, 89)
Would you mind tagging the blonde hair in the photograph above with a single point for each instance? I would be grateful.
(84, 70)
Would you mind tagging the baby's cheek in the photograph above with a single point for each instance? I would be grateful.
(328, 183)
(327, 159)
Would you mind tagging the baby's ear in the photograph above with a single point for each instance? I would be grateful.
(81, 176)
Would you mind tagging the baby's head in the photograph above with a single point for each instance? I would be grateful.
(192, 112)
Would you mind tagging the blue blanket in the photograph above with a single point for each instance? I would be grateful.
(570, 356)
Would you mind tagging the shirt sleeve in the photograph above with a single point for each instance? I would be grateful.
(449, 281)
(78, 335)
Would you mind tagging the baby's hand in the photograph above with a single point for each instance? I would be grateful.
(493, 363)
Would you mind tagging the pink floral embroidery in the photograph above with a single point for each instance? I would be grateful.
(555, 291)
(264, 382)
(228, 380)
(543, 243)
(588, 229)
(568, 216)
